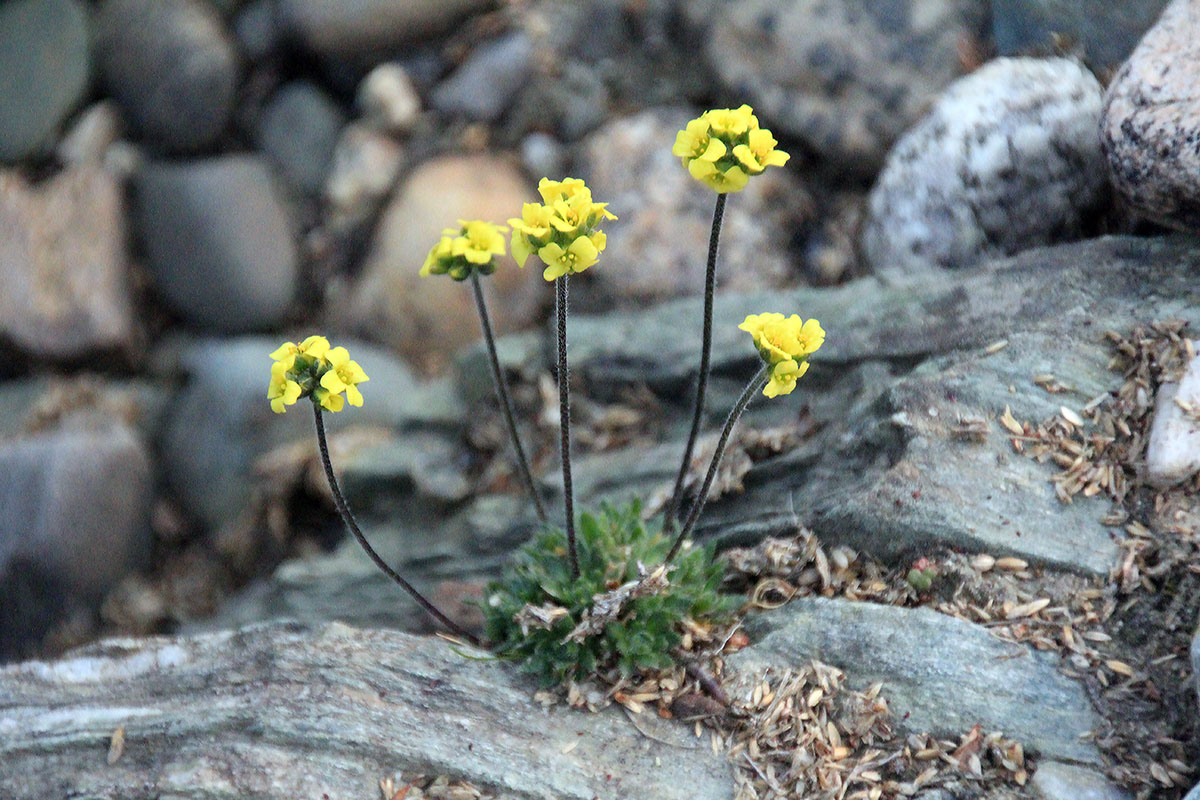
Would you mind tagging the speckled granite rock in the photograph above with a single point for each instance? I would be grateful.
(845, 78)
(1173, 452)
(1150, 129)
(1056, 780)
(1008, 159)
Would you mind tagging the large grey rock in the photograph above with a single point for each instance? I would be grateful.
(1151, 121)
(940, 674)
(172, 67)
(1056, 780)
(298, 131)
(43, 71)
(74, 518)
(1173, 451)
(1105, 32)
(63, 266)
(659, 247)
(222, 423)
(348, 28)
(218, 241)
(284, 711)
(1008, 159)
(891, 473)
(845, 78)
(483, 87)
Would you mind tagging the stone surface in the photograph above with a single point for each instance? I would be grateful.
(1151, 121)
(297, 132)
(257, 29)
(388, 99)
(1194, 794)
(221, 423)
(659, 247)
(1105, 32)
(1173, 452)
(171, 66)
(218, 241)
(346, 28)
(940, 674)
(74, 518)
(428, 318)
(1055, 780)
(93, 133)
(1007, 159)
(67, 290)
(483, 87)
(889, 474)
(43, 71)
(232, 714)
(845, 78)
(362, 171)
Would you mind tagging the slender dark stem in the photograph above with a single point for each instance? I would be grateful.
(756, 384)
(564, 421)
(352, 524)
(503, 396)
(710, 280)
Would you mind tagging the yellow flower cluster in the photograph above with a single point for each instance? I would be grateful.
(313, 368)
(785, 343)
(723, 147)
(472, 246)
(561, 230)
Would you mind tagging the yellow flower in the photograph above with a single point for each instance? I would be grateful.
(343, 376)
(783, 377)
(471, 247)
(785, 343)
(562, 230)
(312, 369)
(579, 255)
(282, 391)
(723, 147)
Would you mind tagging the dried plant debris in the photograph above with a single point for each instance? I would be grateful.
(806, 733)
(421, 787)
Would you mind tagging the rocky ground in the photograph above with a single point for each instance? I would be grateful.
(968, 548)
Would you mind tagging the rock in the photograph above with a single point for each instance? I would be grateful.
(920, 485)
(88, 140)
(218, 241)
(1007, 159)
(388, 99)
(235, 712)
(346, 28)
(1173, 452)
(570, 103)
(298, 131)
(1105, 33)
(1054, 780)
(427, 319)
(171, 66)
(845, 78)
(362, 172)
(1194, 794)
(221, 423)
(257, 29)
(941, 675)
(74, 518)
(483, 87)
(659, 248)
(67, 291)
(1151, 122)
(44, 64)
(542, 154)
(1196, 661)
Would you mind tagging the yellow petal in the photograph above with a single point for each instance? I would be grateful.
(337, 356)
(354, 396)
(521, 248)
(332, 382)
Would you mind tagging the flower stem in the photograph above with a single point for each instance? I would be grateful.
(705, 358)
(756, 384)
(503, 396)
(564, 420)
(344, 509)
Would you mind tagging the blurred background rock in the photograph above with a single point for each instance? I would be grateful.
(187, 182)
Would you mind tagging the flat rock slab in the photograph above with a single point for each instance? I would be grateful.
(940, 675)
(284, 711)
